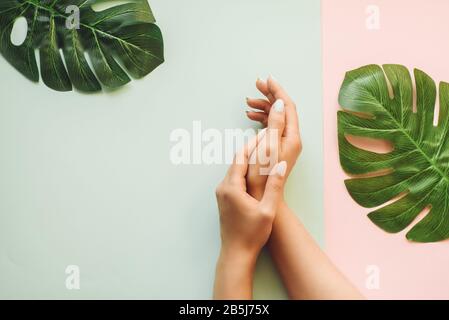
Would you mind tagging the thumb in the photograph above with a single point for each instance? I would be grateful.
(274, 188)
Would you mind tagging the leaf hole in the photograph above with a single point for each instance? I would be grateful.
(97, 7)
(419, 217)
(370, 144)
(373, 174)
(396, 198)
(19, 31)
(363, 115)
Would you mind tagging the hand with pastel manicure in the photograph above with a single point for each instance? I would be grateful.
(253, 212)
(282, 140)
(252, 191)
(245, 224)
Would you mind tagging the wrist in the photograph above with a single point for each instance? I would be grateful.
(283, 207)
(284, 215)
(234, 275)
(238, 257)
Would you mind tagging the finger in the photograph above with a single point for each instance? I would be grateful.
(276, 90)
(274, 189)
(276, 123)
(268, 150)
(260, 104)
(291, 125)
(262, 117)
(239, 166)
(262, 86)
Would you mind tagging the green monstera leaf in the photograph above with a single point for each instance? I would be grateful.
(80, 47)
(378, 103)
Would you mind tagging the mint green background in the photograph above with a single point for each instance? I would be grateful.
(86, 179)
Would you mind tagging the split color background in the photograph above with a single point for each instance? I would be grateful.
(87, 180)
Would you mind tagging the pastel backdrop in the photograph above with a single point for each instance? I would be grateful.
(87, 180)
(356, 33)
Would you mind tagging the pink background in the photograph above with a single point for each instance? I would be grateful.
(414, 33)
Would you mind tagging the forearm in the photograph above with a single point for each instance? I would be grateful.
(234, 276)
(306, 271)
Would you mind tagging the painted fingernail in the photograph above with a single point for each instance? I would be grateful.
(272, 78)
(261, 80)
(278, 105)
(281, 168)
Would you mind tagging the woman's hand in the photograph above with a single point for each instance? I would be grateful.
(245, 223)
(307, 272)
(282, 139)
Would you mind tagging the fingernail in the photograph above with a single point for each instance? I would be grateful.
(278, 105)
(281, 168)
(261, 80)
(272, 78)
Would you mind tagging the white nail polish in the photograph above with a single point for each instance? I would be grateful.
(281, 168)
(261, 80)
(278, 106)
(272, 78)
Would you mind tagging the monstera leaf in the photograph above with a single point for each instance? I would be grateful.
(87, 53)
(378, 103)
